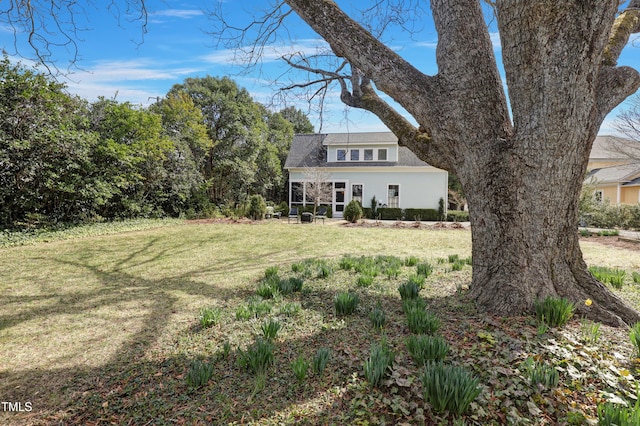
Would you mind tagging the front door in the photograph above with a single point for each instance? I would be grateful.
(339, 195)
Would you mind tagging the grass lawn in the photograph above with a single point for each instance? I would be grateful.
(105, 330)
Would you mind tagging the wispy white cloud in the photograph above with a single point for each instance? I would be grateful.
(428, 44)
(177, 13)
(137, 81)
(271, 53)
(133, 70)
(495, 40)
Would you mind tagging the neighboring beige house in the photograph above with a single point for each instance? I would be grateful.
(614, 170)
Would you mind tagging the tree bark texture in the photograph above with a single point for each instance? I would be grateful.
(522, 174)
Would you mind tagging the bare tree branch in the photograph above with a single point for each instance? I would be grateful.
(55, 27)
(627, 23)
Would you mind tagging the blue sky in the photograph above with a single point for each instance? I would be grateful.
(117, 60)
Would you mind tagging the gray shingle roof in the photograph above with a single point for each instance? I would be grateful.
(310, 151)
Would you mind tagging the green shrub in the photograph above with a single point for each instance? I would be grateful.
(290, 309)
(297, 267)
(199, 373)
(457, 216)
(590, 331)
(613, 276)
(453, 258)
(554, 312)
(392, 271)
(258, 357)
(421, 321)
(284, 287)
(209, 317)
(347, 263)
(408, 290)
(267, 289)
(378, 317)
(226, 349)
(320, 360)
(442, 210)
(296, 284)
(423, 214)
(324, 270)
(353, 211)
(300, 367)
(255, 307)
(616, 279)
(427, 348)
(283, 208)
(257, 207)
(636, 277)
(411, 261)
(376, 366)
(270, 329)
(424, 269)
(345, 303)
(610, 414)
(634, 335)
(271, 272)
(448, 388)
(243, 313)
(457, 265)
(410, 304)
(389, 213)
(585, 233)
(373, 208)
(417, 280)
(540, 373)
(364, 280)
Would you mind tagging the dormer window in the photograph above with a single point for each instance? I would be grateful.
(355, 155)
(368, 155)
(342, 155)
(382, 154)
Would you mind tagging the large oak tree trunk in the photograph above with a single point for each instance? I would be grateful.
(522, 175)
(525, 237)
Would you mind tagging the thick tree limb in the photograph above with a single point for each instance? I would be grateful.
(626, 24)
(380, 63)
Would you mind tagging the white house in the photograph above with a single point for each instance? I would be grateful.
(360, 166)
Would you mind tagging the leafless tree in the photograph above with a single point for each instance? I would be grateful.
(628, 124)
(318, 188)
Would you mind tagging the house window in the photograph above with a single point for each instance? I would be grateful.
(342, 154)
(356, 192)
(297, 192)
(597, 196)
(368, 155)
(393, 196)
(382, 154)
(355, 155)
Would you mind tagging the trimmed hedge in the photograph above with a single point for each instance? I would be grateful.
(424, 214)
(390, 213)
(457, 216)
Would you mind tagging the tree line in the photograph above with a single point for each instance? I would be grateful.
(206, 143)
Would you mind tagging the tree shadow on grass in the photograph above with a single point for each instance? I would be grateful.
(137, 384)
